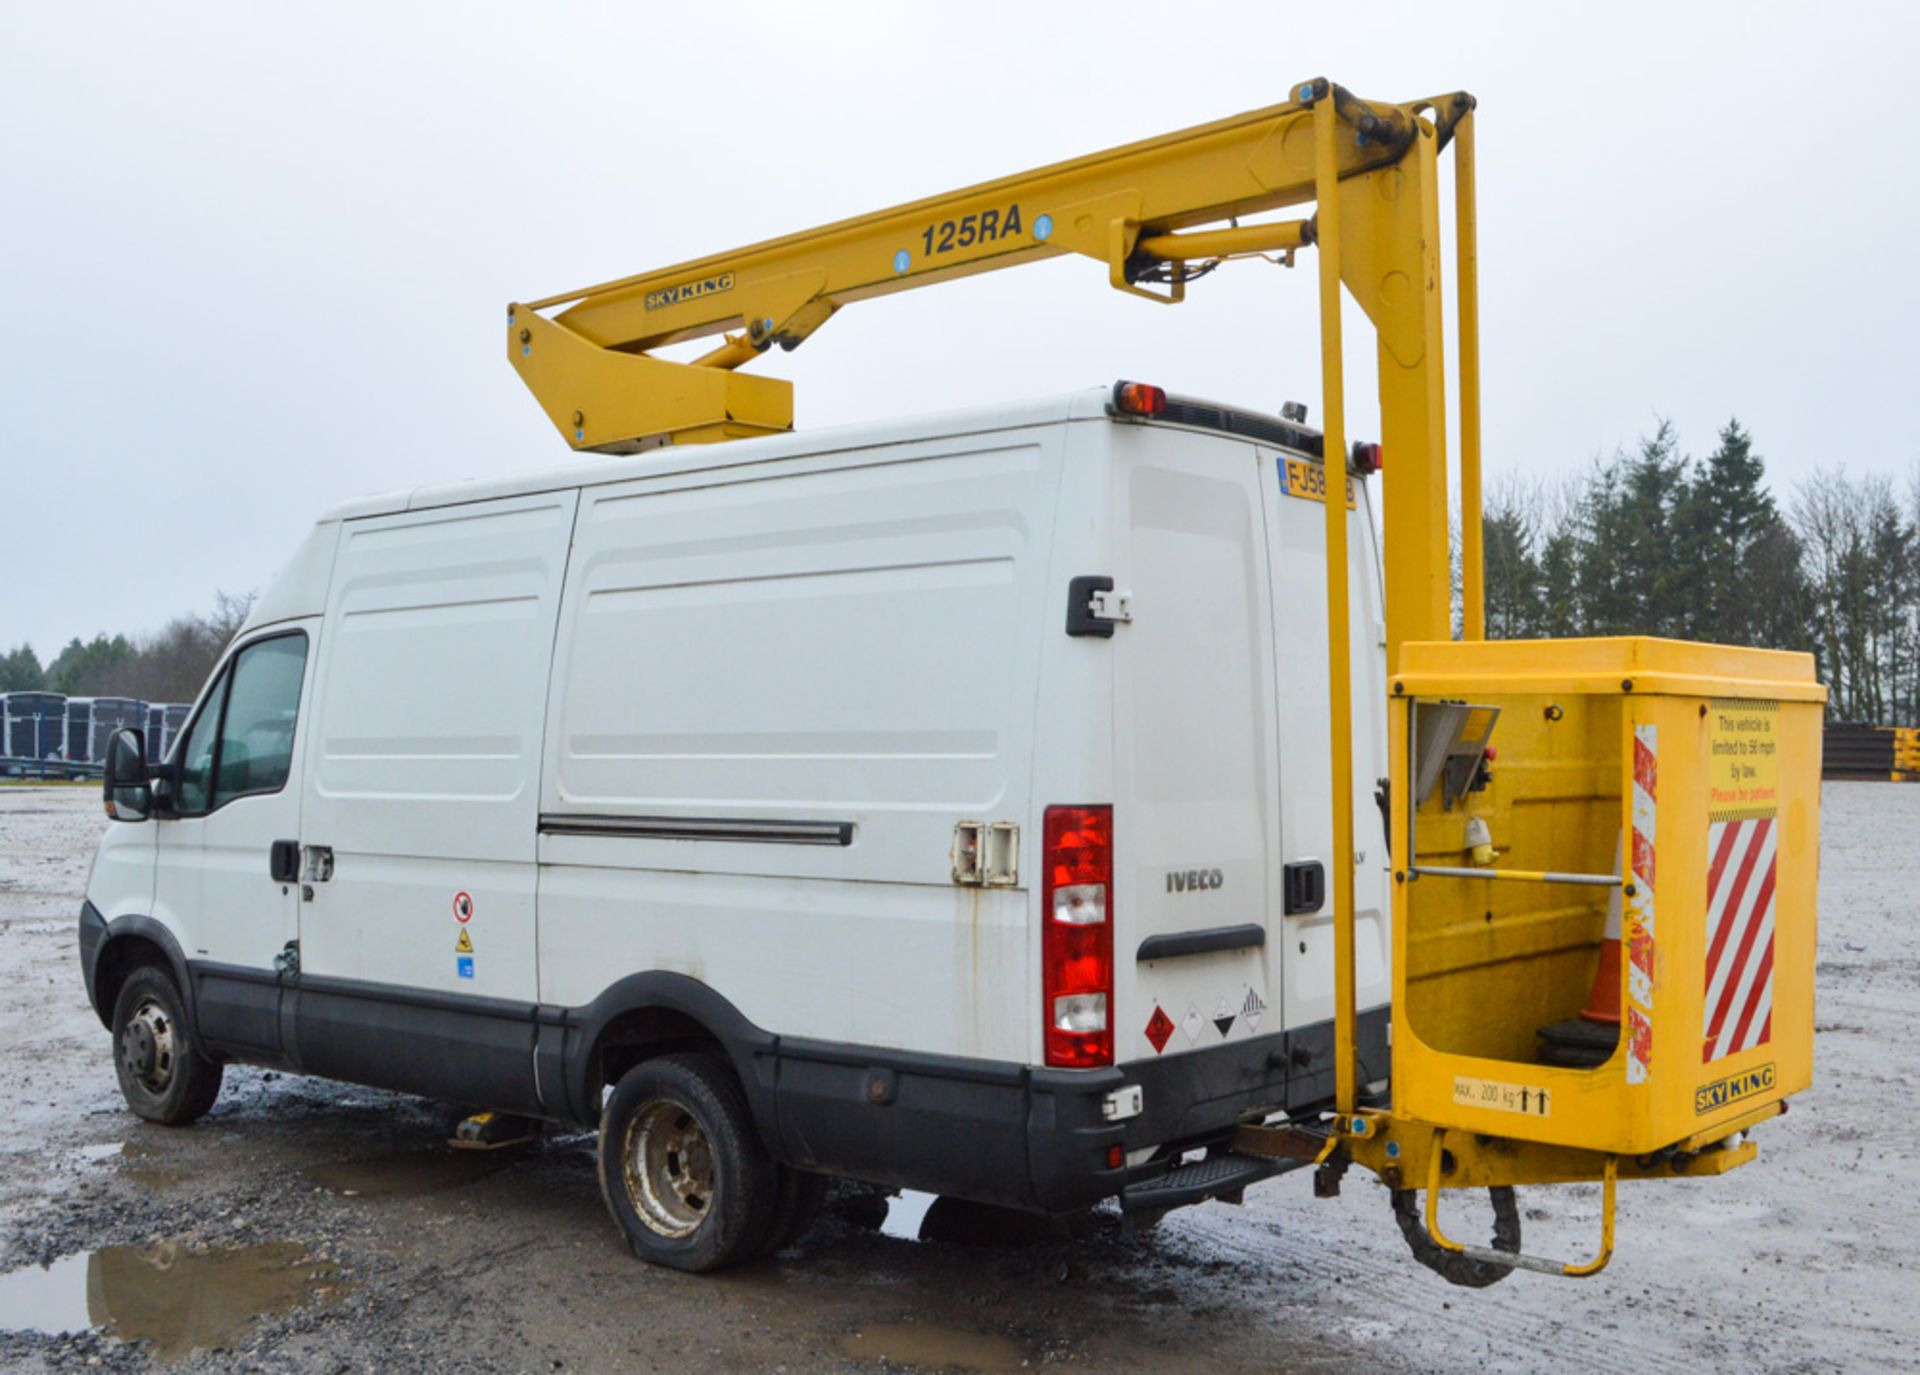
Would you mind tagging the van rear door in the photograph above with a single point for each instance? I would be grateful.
(1196, 754)
(1296, 520)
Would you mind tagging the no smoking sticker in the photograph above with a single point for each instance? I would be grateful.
(463, 907)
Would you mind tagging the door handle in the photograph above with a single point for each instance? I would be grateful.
(283, 861)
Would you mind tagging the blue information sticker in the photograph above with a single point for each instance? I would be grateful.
(464, 964)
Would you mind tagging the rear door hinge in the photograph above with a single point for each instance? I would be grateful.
(1095, 608)
(288, 960)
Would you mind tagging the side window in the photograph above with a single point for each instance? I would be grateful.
(193, 787)
(256, 734)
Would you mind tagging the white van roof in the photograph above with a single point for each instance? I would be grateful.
(586, 471)
(300, 587)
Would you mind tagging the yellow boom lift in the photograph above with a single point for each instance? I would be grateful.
(1629, 768)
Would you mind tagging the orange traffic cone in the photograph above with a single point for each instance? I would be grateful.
(1603, 1001)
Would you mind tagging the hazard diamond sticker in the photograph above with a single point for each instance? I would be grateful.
(1223, 1015)
(1159, 1029)
(1193, 1023)
(1252, 1008)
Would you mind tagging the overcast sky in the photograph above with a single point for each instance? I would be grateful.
(256, 257)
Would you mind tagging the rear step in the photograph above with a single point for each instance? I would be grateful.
(1215, 1177)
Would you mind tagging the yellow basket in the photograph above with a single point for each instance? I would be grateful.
(1671, 787)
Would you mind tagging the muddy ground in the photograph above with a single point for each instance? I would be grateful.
(310, 1226)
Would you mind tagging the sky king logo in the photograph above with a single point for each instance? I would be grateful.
(1732, 1089)
(686, 291)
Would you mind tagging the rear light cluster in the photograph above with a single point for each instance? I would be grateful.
(1367, 458)
(1076, 945)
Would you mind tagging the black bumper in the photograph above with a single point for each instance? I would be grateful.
(93, 935)
(1033, 1138)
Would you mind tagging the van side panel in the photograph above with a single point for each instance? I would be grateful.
(776, 689)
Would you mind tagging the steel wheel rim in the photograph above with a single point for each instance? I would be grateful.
(148, 1047)
(667, 1161)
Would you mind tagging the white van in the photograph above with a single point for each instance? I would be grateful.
(940, 804)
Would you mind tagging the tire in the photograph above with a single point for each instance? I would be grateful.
(801, 1196)
(682, 1168)
(163, 1075)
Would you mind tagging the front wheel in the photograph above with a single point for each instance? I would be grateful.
(681, 1167)
(163, 1076)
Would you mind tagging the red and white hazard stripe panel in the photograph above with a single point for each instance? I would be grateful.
(1740, 873)
(1640, 907)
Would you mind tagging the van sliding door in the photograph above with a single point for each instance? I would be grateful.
(421, 816)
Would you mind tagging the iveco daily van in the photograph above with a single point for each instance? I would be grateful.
(939, 804)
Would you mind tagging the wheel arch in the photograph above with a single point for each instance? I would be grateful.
(656, 1013)
(130, 942)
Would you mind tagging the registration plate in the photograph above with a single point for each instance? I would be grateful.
(1299, 478)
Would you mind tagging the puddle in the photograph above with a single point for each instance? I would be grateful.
(407, 1174)
(106, 1150)
(905, 1213)
(178, 1300)
(931, 1348)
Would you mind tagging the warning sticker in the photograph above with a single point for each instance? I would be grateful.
(1159, 1029)
(1743, 760)
(1192, 1024)
(1251, 1007)
(1469, 1092)
(1223, 1015)
(463, 946)
(463, 907)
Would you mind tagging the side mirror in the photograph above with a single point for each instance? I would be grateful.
(127, 786)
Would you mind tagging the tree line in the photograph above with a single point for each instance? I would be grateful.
(1654, 542)
(168, 666)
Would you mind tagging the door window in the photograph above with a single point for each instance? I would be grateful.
(242, 740)
(256, 734)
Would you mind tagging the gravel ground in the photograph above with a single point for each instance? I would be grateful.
(305, 1225)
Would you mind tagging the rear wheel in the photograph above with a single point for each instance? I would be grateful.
(163, 1076)
(681, 1167)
